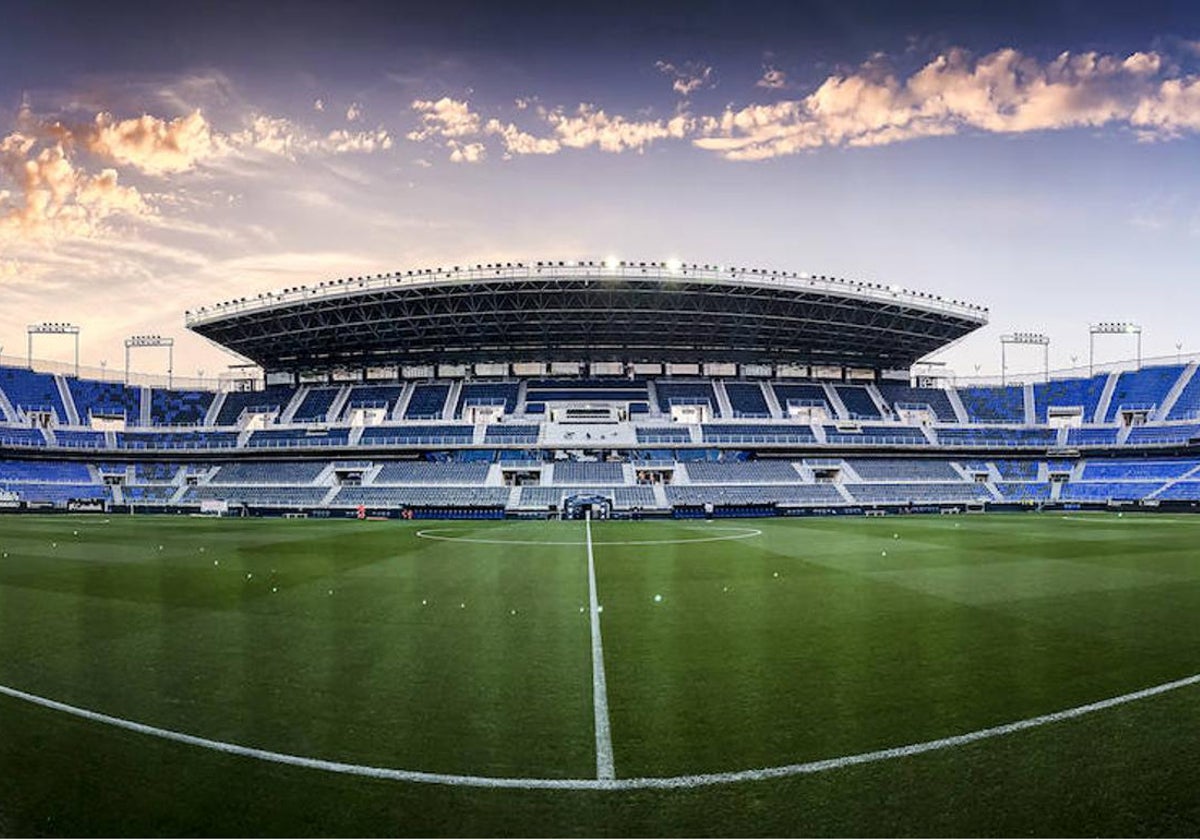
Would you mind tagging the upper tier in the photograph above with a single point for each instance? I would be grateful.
(1158, 406)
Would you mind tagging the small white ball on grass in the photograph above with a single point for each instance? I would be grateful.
(249, 575)
(512, 612)
(424, 603)
(462, 606)
(895, 536)
(775, 574)
(274, 588)
(75, 533)
(658, 599)
(216, 562)
(600, 608)
(54, 545)
(883, 553)
(330, 591)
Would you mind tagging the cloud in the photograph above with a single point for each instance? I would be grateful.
(284, 138)
(466, 152)
(518, 142)
(153, 145)
(590, 126)
(772, 79)
(48, 197)
(688, 77)
(340, 141)
(445, 117)
(319, 105)
(1003, 92)
(354, 112)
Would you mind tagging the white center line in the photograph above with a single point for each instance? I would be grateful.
(604, 750)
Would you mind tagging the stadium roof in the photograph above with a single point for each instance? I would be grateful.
(587, 311)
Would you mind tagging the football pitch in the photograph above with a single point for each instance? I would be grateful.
(987, 674)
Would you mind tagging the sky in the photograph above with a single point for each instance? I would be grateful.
(1038, 159)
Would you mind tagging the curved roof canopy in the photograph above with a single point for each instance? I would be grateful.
(558, 311)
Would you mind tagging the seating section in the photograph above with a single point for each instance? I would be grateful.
(1162, 435)
(747, 400)
(877, 436)
(272, 399)
(587, 390)
(1017, 470)
(109, 399)
(508, 433)
(294, 438)
(752, 494)
(1187, 406)
(1139, 470)
(1069, 393)
(919, 493)
(503, 394)
(1102, 491)
(256, 495)
(423, 472)
(57, 494)
(742, 472)
(428, 401)
(17, 436)
(373, 396)
(1093, 436)
(993, 404)
(764, 433)
(983, 436)
(1142, 389)
(29, 391)
(1024, 491)
(179, 408)
(267, 472)
(858, 403)
(586, 472)
(45, 472)
(801, 394)
(685, 393)
(315, 405)
(659, 435)
(427, 435)
(176, 440)
(906, 469)
(899, 395)
(397, 496)
(79, 439)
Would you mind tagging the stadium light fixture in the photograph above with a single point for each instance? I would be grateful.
(674, 264)
(611, 262)
(151, 341)
(1024, 338)
(46, 328)
(1112, 328)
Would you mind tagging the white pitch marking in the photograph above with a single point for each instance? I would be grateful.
(659, 782)
(604, 750)
(742, 534)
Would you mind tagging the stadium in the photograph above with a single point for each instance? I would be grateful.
(600, 547)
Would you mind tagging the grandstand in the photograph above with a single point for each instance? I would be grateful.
(653, 412)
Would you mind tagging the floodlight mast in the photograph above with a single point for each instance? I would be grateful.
(1112, 328)
(47, 328)
(151, 341)
(1024, 338)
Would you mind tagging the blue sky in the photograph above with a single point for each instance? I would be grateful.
(1038, 159)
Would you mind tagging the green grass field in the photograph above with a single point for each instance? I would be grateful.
(791, 641)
